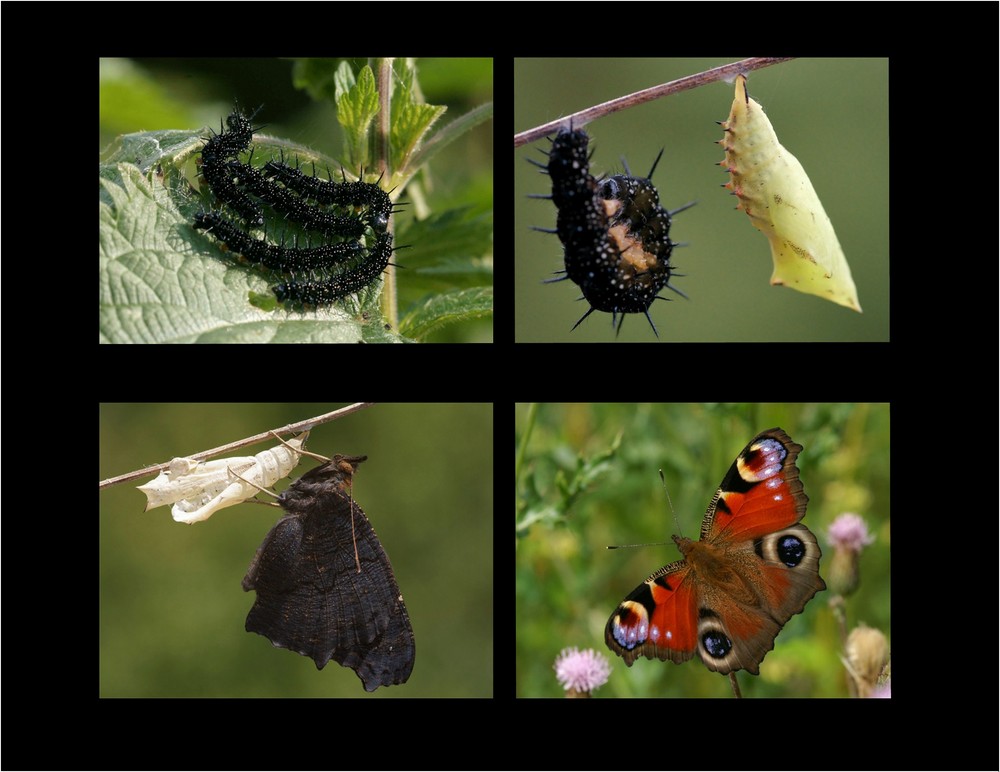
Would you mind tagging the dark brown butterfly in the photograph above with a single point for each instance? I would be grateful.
(325, 587)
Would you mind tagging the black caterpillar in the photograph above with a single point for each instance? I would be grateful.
(295, 208)
(319, 293)
(351, 194)
(219, 151)
(351, 220)
(615, 234)
(277, 258)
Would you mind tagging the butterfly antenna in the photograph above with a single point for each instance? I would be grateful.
(663, 481)
(357, 559)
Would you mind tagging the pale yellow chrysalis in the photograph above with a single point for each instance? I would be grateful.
(198, 489)
(775, 191)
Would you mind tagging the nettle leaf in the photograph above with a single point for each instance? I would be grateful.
(163, 282)
(447, 308)
(411, 121)
(357, 106)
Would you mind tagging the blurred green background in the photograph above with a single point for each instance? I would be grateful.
(580, 495)
(172, 610)
(832, 114)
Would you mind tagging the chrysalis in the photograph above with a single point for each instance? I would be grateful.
(199, 489)
(776, 193)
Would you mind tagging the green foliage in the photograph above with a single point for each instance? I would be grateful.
(160, 283)
(357, 106)
(414, 119)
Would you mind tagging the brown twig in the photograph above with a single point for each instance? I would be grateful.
(647, 95)
(295, 428)
(383, 85)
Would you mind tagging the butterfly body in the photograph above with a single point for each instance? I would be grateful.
(754, 568)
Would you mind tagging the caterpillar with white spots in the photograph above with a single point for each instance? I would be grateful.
(615, 235)
(349, 220)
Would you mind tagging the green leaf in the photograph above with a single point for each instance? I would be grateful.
(164, 282)
(447, 308)
(456, 233)
(357, 107)
(411, 119)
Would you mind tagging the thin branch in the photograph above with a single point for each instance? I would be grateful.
(647, 95)
(383, 154)
(295, 428)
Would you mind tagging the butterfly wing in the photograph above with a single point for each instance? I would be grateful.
(311, 596)
(656, 620)
(770, 561)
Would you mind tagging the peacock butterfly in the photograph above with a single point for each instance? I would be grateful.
(615, 234)
(325, 587)
(754, 568)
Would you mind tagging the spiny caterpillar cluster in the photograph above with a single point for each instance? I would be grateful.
(350, 219)
(615, 234)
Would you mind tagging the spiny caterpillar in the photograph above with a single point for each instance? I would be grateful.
(775, 191)
(349, 220)
(615, 234)
(277, 258)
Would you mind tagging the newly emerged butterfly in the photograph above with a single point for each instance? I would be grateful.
(775, 191)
